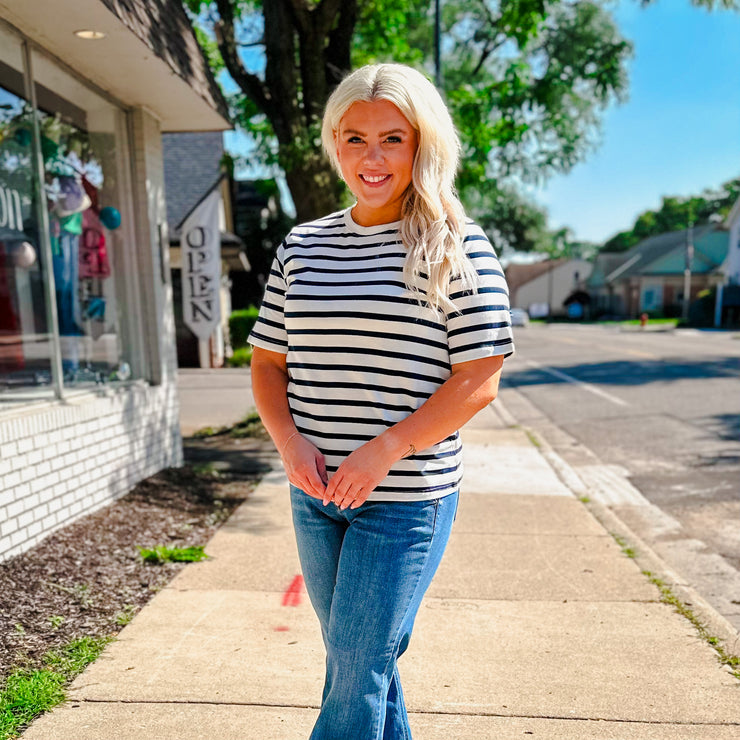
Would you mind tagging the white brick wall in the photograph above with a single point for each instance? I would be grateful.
(103, 444)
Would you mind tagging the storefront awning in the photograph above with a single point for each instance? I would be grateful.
(148, 57)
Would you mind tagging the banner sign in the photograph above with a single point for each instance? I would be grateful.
(200, 246)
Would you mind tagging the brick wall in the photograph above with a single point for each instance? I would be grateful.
(61, 461)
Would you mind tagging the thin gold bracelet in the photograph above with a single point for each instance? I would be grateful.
(285, 446)
(411, 450)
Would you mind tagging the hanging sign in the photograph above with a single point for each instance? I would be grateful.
(200, 246)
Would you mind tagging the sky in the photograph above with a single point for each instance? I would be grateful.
(677, 134)
(679, 131)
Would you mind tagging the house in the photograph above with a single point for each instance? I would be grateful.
(88, 394)
(543, 288)
(193, 168)
(650, 277)
(727, 307)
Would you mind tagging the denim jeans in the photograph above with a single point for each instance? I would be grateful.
(366, 571)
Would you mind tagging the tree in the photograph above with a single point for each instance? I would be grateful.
(525, 80)
(676, 213)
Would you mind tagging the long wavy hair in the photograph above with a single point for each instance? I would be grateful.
(433, 219)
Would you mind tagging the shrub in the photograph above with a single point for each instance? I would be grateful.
(242, 357)
(240, 324)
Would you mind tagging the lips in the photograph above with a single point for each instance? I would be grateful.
(375, 179)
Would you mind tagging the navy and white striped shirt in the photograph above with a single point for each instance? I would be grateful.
(363, 354)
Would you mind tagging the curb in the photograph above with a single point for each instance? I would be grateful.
(645, 557)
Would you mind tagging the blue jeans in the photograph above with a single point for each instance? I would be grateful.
(366, 571)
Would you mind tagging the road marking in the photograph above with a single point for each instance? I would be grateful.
(570, 379)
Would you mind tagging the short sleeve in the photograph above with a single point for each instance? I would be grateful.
(481, 325)
(269, 329)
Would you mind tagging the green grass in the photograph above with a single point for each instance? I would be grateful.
(660, 322)
(668, 597)
(163, 554)
(249, 426)
(28, 693)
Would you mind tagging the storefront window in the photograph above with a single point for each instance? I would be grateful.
(79, 144)
(80, 227)
(25, 347)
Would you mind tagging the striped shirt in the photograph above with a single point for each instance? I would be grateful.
(363, 353)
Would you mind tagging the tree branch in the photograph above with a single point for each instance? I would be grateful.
(338, 61)
(227, 45)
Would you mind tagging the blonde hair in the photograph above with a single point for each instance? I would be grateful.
(433, 219)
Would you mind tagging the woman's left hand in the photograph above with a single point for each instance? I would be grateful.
(359, 474)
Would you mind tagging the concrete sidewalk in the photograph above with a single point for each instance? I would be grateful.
(536, 625)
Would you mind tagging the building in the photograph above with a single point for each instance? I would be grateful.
(88, 401)
(649, 277)
(193, 167)
(543, 288)
(727, 304)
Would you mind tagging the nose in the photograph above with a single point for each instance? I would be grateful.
(374, 153)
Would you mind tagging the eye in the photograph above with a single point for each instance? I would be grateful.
(354, 140)
(394, 139)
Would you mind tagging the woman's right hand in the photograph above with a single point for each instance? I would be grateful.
(305, 466)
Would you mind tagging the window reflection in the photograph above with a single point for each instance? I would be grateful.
(24, 338)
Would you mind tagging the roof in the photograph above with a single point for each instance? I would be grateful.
(604, 264)
(163, 25)
(147, 56)
(664, 254)
(192, 163)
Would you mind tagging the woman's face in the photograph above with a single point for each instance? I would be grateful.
(376, 147)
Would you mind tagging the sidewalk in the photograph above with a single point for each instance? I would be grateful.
(536, 625)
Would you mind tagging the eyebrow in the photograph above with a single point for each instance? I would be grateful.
(383, 133)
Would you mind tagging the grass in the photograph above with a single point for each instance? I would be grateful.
(126, 614)
(28, 693)
(667, 596)
(249, 426)
(163, 554)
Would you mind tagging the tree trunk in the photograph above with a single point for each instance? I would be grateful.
(315, 188)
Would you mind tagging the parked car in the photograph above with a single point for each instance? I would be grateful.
(519, 317)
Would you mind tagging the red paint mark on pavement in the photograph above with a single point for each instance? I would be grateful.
(282, 628)
(292, 595)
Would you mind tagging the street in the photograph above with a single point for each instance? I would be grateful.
(645, 417)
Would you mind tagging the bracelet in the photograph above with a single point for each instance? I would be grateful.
(285, 446)
(411, 451)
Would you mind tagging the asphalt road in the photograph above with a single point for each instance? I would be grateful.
(654, 411)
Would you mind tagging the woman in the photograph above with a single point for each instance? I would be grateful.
(383, 330)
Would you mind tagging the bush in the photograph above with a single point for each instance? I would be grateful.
(240, 324)
(242, 357)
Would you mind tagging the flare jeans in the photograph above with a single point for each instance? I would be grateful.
(366, 571)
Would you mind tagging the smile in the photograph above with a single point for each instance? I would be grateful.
(374, 179)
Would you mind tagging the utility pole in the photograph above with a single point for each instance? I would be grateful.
(689, 258)
(437, 46)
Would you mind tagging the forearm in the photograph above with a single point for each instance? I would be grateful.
(270, 391)
(455, 402)
(471, 387)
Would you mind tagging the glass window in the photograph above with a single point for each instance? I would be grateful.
(80, 147)
(82, 137)
(25, 347)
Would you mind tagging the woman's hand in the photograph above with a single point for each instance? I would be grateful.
(305, 466)
(359, 474)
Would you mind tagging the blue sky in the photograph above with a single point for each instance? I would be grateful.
(678, 133)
